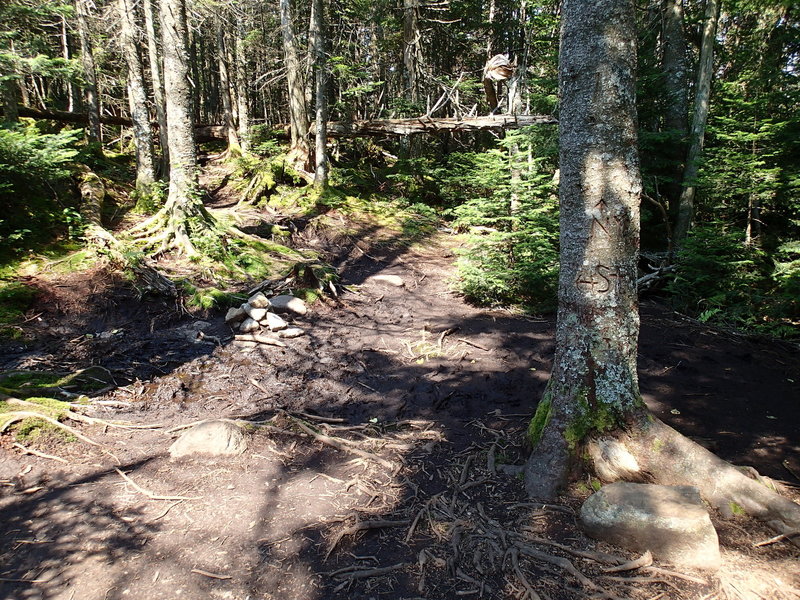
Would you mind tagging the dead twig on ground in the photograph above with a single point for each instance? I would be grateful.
(259, 339)
(210, 574)
(474, 345)
(778, 538)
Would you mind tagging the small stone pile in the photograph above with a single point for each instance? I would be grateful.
(260, 312)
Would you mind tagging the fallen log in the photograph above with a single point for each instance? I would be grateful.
(338, 129)
(413, 126)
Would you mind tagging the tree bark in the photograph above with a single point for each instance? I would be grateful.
(299, 147)
(94, 132)
(321, 97)
(183, 201)
(411, 48)
(242, 84)
(158, 84)
(225, 90)
(137, 96)
(705, 71)
(676, 112)
(594, 384)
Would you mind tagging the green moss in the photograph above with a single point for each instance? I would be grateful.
(658, 445)
(15, 299)
(596, 485)
(43, 384)
(737, 509)
(539, 420)
(586, 420)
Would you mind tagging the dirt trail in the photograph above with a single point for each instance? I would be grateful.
(440, 389)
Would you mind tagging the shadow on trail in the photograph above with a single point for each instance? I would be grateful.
(377, 356)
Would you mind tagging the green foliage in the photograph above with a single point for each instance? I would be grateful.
(33, 168)
(505, 200)
(721, 280)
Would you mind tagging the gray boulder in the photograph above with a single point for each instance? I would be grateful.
(288, 304)
(213, 438)
(249, 325)
(258, 300)
(670, 521)
(274, 322)
(393, 280)
(235, 315)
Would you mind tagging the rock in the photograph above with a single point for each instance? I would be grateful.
(259, 300)
(249, 325)
(274, 322)
(290, 304)
(291, 332)
(670, 521)
(394, 280)
(253, 312)
(234, 315)
(215, 438)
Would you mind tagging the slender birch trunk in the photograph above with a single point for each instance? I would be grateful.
(137, 98)
(298, 117)
(705, 71)
(154, 59)
(94, 132)
(321, 80)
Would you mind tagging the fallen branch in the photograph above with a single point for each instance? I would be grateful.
(259, 339)
(210, 574)
(777, 538)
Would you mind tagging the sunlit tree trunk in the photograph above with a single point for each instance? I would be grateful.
(158, 84)
(705, 71)
(242, 84)
(298, 118)
(594, 384)
(137, 96)
(411, 48)
(225, 90)
(320, 94)
(94, 132)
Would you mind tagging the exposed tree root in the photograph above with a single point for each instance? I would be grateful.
(654, 452)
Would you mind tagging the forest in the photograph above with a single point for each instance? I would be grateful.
(439, 274)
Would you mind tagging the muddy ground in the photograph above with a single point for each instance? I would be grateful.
(438, 390)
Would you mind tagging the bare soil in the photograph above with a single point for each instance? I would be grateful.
(438, 390)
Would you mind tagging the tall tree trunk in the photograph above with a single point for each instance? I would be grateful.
(94, 132)
(594, 384)
(67, 54)
(411, 48)
(320, 87)
(225, 90)
(158, 84)
(137, 96)
(592, 408)
(183, 201)
(242, 84)
(705, 70)
(298, 117)
(676, 112)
